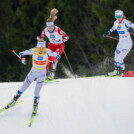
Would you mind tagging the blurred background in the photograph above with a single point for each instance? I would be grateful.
(83, 20)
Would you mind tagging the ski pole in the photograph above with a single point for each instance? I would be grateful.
(69, 63)
(16, 54)
(116, 38)
(23, 60)
(112, 37)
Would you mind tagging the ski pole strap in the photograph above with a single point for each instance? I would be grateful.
(112, 37)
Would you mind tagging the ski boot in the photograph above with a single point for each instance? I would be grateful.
(115, 72)
(122, 72)
(12, 103)
(53, 69)
(35, 106)
(122, 69)
(14, 100)
(51, 74)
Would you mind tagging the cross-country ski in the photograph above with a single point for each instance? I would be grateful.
(7, 107)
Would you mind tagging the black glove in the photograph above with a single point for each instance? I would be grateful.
(105, 34)
(130, 30)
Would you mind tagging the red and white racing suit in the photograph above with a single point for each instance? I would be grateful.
(56, 43)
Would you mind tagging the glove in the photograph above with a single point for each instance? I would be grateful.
(130, 30)
(64, 40)
(21, 55)
(105, 34)
(23, 60)
(58, 57)
(38, 38)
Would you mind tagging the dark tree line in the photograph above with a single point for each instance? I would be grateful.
(83, 20)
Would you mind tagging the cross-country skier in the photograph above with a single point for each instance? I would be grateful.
(40, 56)
(124, 45)
(56, 37)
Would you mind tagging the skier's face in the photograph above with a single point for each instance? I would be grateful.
(40, 49)
(50, 29)
(119, 19)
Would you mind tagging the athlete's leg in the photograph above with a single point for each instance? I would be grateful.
(116, 64)
(30, 77)
(39, 84)
(50, 59)
(121, 58)
(28, 80)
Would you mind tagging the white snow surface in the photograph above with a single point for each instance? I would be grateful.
(72, 106)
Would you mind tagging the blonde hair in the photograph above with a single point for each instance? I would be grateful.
(41, 40)
(124, 17)
(53, 15)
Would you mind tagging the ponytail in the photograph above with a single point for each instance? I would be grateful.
(124, 17)
(53, 15)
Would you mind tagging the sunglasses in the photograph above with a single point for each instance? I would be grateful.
(118, 17)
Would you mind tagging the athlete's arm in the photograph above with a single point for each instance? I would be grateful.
(63, 34)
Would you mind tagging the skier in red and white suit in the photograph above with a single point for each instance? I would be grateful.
(56, 37)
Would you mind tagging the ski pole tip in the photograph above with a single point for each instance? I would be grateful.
(13, 51)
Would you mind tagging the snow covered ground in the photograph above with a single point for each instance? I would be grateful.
(82, 106)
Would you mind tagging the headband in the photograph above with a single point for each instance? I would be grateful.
(41, 44)
(50, 24)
